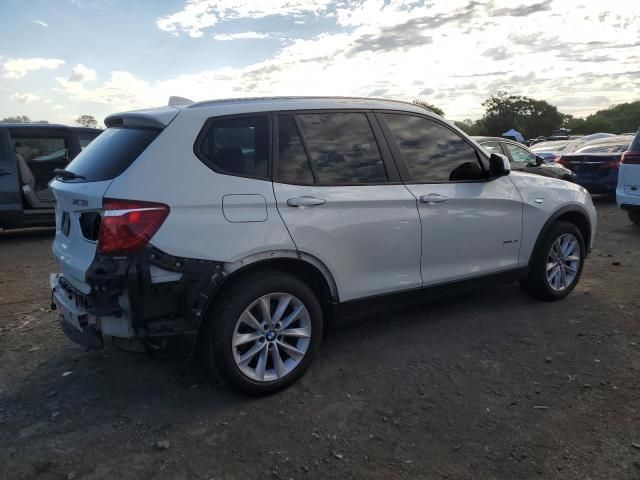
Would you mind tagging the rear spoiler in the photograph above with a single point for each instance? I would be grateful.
(150, 118)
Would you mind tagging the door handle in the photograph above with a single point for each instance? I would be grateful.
(4, 172)
(433, 198)
(305, 201)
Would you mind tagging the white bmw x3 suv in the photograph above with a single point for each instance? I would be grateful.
(247, 226)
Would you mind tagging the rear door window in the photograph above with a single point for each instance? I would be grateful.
(519, 154)
(493, 147)
(293, 165)
(111, 153)
(236, 146)
(342, 148)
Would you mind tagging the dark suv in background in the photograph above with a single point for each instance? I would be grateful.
(29, 154)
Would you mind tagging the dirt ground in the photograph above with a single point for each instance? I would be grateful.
(494, 385)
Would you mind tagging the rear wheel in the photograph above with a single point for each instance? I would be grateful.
(263, 338)
(557, 264)
(634, 216)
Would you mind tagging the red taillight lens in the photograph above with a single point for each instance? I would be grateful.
(127, 225)
(563, 162)
(612, 164)
(631, 158)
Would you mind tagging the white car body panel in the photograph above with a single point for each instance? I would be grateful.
(628, 189)
(367, 236)
(73, 252)
(542, 196)
(372, 239)
(475, 231)
(196, 226)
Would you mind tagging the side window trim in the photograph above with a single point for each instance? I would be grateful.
(197, 146)
(405, 174)
(296, 122)
(386, 154)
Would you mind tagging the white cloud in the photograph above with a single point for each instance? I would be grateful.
(454, 54)
(81, 73)
(41, 23)
(239, 36)
(197, 15)
(24, 97)
(57, 106)
(15, 68)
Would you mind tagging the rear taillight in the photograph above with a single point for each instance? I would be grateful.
(563, 162)
(631, 158)
(127, 225)
(611, 165)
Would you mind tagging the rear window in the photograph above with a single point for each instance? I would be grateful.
(85, 138)
(111, 153)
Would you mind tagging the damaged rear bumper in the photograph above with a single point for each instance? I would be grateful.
(72, 315)
(147, 295)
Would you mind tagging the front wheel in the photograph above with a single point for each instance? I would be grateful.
(265, 335)
(557, 264)
(634, 216)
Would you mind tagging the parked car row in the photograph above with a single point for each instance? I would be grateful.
(249, 226)
(524, 160)
(29, 156)
(594, 159)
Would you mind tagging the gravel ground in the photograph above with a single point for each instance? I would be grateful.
(493, 385)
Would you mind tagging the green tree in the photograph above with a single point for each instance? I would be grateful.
(87, 121)
(470, 127)
(529, 116)
(18, 119)
(429, 106)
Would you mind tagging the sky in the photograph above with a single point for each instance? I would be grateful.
(60, 59)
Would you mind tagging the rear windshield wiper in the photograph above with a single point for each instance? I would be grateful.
(66, 174)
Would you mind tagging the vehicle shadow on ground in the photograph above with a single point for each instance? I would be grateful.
(113, 381)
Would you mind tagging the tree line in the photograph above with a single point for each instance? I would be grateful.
(82, 120)
(535, 118)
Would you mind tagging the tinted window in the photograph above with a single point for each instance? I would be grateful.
(293, 164)
(432, 152)
(343, 149)
(519, 154)
(238, 146)
(85, 138)
(111, 153)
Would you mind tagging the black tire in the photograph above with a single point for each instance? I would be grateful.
(634, 216)
(220, 327)
(536, 284)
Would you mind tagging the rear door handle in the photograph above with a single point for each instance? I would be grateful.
(305, 201)
(4, 172)
(433, 198)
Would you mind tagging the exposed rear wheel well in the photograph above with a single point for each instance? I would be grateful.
(300, 269)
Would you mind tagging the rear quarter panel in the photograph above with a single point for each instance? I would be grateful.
(542, 198)
(169, 172)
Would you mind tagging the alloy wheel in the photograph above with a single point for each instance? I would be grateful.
(563, 262)
(271, 337)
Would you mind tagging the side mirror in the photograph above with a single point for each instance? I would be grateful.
(499, 165)
(540, 160)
